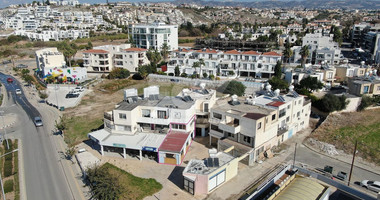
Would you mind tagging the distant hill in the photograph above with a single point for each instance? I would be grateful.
(331, 4)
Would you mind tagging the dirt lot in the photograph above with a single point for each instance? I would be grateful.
(342, 130)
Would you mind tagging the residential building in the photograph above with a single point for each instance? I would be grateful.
(358, 32)
(105, 58)
(367, 85)
(205, 176)
(155, 35)
(371, 41)
(162, 127)
(51, 62)
(229, 63)
(344, 72)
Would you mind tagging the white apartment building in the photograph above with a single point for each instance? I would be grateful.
(229, 63)
(259, 123)
(162, 127)
(51, 62)
(105, 58)
(54, 35)
(321, 48)
(155, 35)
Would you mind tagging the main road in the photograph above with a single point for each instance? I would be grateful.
(44, 175)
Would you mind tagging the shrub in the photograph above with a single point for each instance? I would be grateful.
(119, 73)
(184, 75)
(205, 75)
(330, 103)
(8, 186)
(137, 76)
(8, 168)
(171, 74)
(212, 77)
(235, 87)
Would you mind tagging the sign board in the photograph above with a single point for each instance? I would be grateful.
(119, 145)
(149, 149)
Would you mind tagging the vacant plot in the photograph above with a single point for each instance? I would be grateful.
(342, 130)
(88, 115)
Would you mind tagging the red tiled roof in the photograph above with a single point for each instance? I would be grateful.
(254, 116)
(95, 51)
(275, 103)
(207, 51)
(251, 53)
(272, 53)
(182, 50)
(232, 52)
(135, 49)
(174, 142)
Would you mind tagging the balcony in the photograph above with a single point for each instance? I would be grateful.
(229, 127)
(216, 133)
(202, 121)
(282, 130)
(214, 121)
(108, 115)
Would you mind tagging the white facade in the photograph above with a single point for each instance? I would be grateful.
(155, 35)
(229, 63)
(49, 58)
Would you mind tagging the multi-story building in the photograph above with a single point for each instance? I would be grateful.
(162, 127)
(247, 63)
(371, 41)
(51, 62)
(105, 58)
(367, 85)
(259, 123)
(321, 48)
(358, 32)
(155, 35)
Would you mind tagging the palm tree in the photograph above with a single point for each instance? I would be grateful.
(288, 53)
(165, 51)
(304, 53)
(198, 64)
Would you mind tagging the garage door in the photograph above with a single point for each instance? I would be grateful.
(216, 180)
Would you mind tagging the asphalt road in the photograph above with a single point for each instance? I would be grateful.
(44, 177)
(315, 160)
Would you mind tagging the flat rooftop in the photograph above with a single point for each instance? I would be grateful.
(158, 101)
(204, 167)
(241, 109)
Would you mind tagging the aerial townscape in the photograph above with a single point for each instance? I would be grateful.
(168, 100)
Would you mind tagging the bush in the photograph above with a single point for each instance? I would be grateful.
(137, 76)
(8, 168)
(212, 77)
(119, 73)
(330, 103)
(171, 74)
(8, 186)
(235, 87)
(43, 95)
(367, 101)
(205, 75)
(184, 75)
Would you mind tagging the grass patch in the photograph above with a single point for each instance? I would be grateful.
(112, 86)
(132, 187)
(8, 186)
(79, 126)
(344, 129)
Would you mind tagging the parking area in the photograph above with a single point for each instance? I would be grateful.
(57, 96)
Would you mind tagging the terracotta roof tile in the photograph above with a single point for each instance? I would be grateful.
(272, 53)
(95, 51)
(207, 51)
(232, 52)
(250, 53)
(135, 49)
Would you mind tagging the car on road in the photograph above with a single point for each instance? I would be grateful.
(72, 95)
(18, 91)
(38, 121)
(6, 62)
(21, 66)
(342, 175)
(9, 80)
(371, 185)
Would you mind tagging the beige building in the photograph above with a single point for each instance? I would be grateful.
(49, 58)
(369, 85)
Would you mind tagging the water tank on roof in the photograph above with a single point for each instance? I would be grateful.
(151, 90)
(277, 92)
(268, 87)
(291, 88)
(202, 85)
(130, 93)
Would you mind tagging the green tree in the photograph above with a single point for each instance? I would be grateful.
(153, 56)
(304, 54)
(177, 71)
(235, 87)
(277, 70)
(309, 84)
(278, 83)
(68, 50)
(198, 64)
(89, 45)
(165, 51)
(288, 53)
(103, 184)
(119, 73)
(331, 102)
(338, 36)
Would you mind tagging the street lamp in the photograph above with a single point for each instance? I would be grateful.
(1, 180)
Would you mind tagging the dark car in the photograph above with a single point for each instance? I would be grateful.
(174, 80)
(71, 95)
(6, 62)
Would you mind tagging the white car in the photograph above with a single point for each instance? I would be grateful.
(371, 185)
(18, 91)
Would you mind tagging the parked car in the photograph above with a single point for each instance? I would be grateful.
(342, 175)
(72, 95)
(371, 185)
(174, 80)
(9, 80)
(21, 66)
(18, 91)
(38, 121)
(79, 89)
(6, 62)
(328, 169)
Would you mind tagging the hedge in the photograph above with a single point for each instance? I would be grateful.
(8, 186)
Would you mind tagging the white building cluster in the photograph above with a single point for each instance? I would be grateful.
(228, 63)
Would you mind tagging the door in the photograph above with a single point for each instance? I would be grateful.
(189, 185)
(205, 109)
(211, 183)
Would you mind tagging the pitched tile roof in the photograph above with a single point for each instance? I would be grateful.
(135, 49)
(95, 51)
(232, 52)
(207, 51)
(271, 53)
(250, 53)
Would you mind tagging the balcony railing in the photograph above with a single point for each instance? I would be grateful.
(230, 127)
(214, 121)
(108, 116)
(282, 130)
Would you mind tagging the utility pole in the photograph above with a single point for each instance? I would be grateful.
(295, 152)
(352, 164)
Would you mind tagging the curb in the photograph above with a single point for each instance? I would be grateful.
(312, 149)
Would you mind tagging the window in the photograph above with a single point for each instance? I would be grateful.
(188, 185)
(205, 107)
(289, 106)
(145, 113)
(287, 119)
(298, 114)
(130, 56)
(273, 117)
(282, 113)
(161, 114)
(366, 89)
(230, 134)
(179, 126)
(122, 116)
(259, 126)
(378, 87)
(215, 128)
(299, 102)
(217, 115)
(247, 139)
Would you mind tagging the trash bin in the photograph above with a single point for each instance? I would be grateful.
(62, 108)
